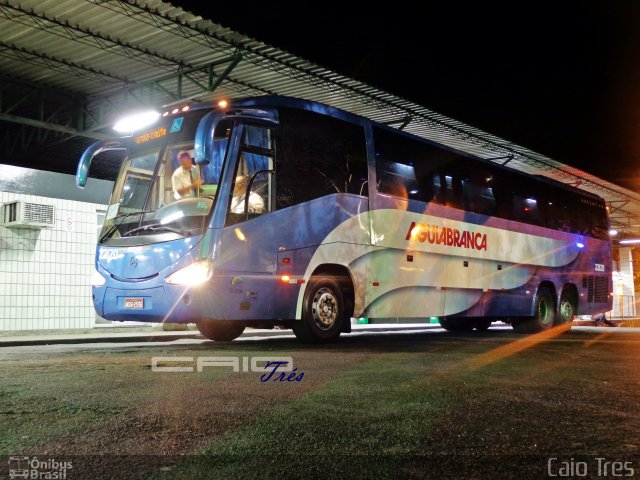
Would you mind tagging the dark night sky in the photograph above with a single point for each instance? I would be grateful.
(561, 78)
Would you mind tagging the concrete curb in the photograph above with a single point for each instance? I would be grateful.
(161, 336)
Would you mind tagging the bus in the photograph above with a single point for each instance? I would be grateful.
(302, 216)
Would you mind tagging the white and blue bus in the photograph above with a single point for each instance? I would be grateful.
(303, 216)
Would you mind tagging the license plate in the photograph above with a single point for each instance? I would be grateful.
(134, 303)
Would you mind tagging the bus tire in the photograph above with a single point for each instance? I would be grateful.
(567, 307)
(544, 316)
(221, 330)
(323, 311)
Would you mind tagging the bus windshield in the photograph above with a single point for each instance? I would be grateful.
(160, 191)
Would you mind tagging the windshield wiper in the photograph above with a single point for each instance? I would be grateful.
(122, 217)
(155, 227)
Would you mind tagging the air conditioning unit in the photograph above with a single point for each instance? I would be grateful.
(21, 214)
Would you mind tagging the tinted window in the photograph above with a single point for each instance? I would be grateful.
(408, 168)
(413, 169)
(477, 191)
(317, 156)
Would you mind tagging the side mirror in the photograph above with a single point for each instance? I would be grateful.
(204, 138)
(82, 173)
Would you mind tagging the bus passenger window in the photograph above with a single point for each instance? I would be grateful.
(526, 209)
(318, 155)
(397, 179)
(477, 193)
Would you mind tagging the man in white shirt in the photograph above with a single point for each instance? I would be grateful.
(256, 203)
(185, 181)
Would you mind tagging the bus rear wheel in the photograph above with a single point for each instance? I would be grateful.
(544, 316)
(220, 330)
(567, 308)
(323, 312)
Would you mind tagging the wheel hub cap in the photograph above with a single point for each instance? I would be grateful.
(566, 310)
(544, 311)
(325, 308)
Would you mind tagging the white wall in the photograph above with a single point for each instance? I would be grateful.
(45, 274)
(623, 288)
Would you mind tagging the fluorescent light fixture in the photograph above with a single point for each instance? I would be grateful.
(193, 275)
(136, 121)
(630, 241)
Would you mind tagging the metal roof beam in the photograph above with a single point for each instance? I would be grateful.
(44, 110)
(59, 65)
(51, 126)
(167, 90)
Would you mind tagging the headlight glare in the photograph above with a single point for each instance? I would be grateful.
(97, 280)
(194, 274)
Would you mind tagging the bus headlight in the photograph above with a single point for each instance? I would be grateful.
(97, 280)
(194, 274)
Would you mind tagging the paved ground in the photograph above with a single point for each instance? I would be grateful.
(420, 404)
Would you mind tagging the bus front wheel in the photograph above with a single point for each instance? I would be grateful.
(323, 311)
(220, 330)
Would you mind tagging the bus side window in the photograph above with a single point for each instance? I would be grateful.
(253, 184)
(396, 179)
(318, 156)
(477, 193)
(405, 167)
(526, 208)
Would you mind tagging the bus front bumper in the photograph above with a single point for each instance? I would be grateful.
(161, 303)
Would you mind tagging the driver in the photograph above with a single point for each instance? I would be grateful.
(186, 180)
(256, 203)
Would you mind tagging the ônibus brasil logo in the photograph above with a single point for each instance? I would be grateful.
(451, 237)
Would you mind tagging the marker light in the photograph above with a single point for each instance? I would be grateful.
(193, 275)
(223, 104)
(136, 121)
(97, 280)
(285, 278)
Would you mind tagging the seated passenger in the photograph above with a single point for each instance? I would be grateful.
(256, 204)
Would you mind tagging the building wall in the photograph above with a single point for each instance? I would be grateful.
(45, 273)
(623, 287)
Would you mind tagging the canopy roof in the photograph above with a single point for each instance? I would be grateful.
(70, 66)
